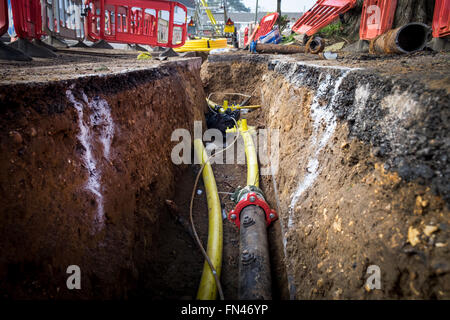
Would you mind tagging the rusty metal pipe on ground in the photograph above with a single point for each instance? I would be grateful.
(411, 37)
(314, 46)
(276, 48)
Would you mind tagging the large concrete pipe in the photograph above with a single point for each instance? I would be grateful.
(410, 38)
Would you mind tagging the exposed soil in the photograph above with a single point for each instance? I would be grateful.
(428, 68)
(50, 219)
(380, 196)
(356, 213)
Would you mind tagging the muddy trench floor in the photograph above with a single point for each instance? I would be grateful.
(178, 268)
(180, 263)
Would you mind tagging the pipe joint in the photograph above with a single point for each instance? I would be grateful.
(251, 198)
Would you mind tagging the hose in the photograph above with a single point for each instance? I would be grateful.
(209, 283)
(250, 152)
(250, 155)
(207, 289)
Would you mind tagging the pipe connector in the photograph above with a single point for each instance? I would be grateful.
(251, 198)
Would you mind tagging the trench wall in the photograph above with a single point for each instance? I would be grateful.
(363, 175)
(85, 170)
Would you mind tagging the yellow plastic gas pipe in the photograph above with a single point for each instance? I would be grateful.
(208, 288)
(250, 154)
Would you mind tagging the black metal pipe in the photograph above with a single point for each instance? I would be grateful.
(255, 282)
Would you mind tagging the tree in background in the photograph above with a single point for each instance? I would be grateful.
(237, 6)
(232, 5)
(407, 11)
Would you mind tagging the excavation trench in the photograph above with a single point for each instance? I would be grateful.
(88, 180)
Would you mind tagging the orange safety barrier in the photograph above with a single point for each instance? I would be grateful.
(321, 14)
(4, 22)
(27, 18)
(264, 27)
(154, 23)
(441, 19)
(377, 18)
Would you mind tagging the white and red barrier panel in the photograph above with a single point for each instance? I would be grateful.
(63, 18)
(27, 18)
(154, 23)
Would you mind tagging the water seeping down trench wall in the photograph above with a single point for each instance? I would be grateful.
(362, 166)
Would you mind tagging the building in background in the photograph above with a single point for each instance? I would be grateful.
(244, 18)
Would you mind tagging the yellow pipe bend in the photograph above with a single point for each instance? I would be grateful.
(208, 287)
(250, 151)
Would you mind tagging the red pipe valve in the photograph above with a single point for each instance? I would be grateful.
(252, 198)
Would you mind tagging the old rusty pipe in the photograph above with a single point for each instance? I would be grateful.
(254, 264)
(278, 48)
(409, 38)
(315, 45)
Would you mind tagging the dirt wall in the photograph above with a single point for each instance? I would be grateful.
(85, 170)
(362, 179)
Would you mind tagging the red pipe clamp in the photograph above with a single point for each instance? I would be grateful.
(252, 198)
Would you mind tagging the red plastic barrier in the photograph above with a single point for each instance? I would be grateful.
(265, 26)
(3, 17)
(321, 14)
(246, 35)
(27, 18)
(154, 23)
(377, 18)
(441, 19)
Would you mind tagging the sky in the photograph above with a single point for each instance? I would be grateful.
(286, 5)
